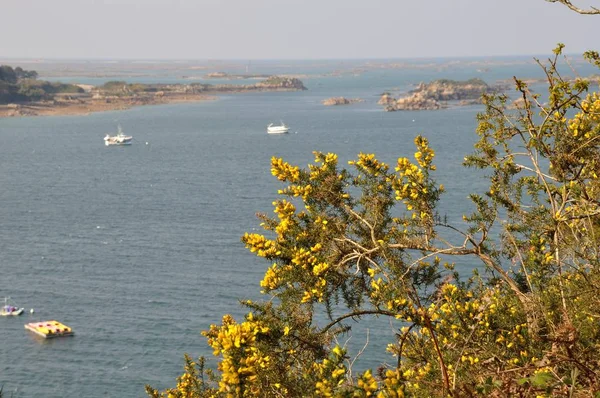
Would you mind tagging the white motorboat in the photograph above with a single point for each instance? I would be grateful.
(119, 139)
(10, 310)
(281, 129)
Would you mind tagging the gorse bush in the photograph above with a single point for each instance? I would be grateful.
(367, 240)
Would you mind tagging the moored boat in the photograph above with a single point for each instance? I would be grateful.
(119, 139)
(10, 310)
(281, 129)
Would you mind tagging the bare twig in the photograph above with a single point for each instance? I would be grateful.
(591, 11)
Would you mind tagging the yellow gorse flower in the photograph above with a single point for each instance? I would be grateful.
(284, 171)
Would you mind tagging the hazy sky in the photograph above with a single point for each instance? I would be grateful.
(291, 29)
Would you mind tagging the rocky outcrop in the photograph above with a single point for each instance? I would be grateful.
(437, 94)
(452, 90)
(281, 83)
(414, 102)
(340, 101)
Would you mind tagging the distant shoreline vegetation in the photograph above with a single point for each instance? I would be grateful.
(21, 94)
(19, 85)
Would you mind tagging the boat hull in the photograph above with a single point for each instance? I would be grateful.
(278, 129)
(110, 143)
(16, 312)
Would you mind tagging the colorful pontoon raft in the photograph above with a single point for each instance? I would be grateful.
(49, 329)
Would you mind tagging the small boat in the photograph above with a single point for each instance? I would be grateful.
(49, 329)
(281, 129)
(10, 310)
(119, 139)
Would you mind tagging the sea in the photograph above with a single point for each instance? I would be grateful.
(138, 248)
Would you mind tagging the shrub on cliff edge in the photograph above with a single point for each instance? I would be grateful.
(367, 240)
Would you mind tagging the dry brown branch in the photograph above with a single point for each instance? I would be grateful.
(591, 11)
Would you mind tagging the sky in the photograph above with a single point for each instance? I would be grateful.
(290, 29)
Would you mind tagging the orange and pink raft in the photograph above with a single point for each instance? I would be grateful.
(49, 329)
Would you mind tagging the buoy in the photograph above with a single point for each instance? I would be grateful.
(146, 142)
(31, 311)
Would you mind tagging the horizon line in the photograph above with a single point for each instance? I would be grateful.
(113, 59)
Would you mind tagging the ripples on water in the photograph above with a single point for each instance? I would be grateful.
(137, 248)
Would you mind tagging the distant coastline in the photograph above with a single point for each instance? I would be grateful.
(45, 99)
(67, 107)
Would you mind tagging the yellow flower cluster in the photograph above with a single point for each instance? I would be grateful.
(539, 253)
(184, 387)
(369, 164)
(242, 360)
(367, 383)
(307, 259)
(297, 190)
(260, 245)
(329, 158)
(272, 278)
(393, 385)
(331, 373)
(582, 122)
(413, 177)
(424, 154)
(284, 171)
(315, 292)
(413, 377)
(285, 211)
(304, 258)
(329, 164)
(397, 304)
(413, 186)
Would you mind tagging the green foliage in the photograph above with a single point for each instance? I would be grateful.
(459, 83)
(275, 80)
(25, 74)
(345, 242)
(7, 74)
(12, 76)
(115, 87)
(18, 85)
(283, 82)
(122, 88)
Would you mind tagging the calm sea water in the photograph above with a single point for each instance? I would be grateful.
(138, 248)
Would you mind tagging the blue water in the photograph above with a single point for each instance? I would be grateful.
(138, 248)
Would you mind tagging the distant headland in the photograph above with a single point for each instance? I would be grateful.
(21, 94)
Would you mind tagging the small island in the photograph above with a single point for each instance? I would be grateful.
(340, 101)
(438, 94)
(21, 94)
(223, 75)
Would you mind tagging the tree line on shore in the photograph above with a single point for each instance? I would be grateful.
(20, 86)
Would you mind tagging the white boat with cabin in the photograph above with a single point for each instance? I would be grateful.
(119, 139)
(281, 129)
